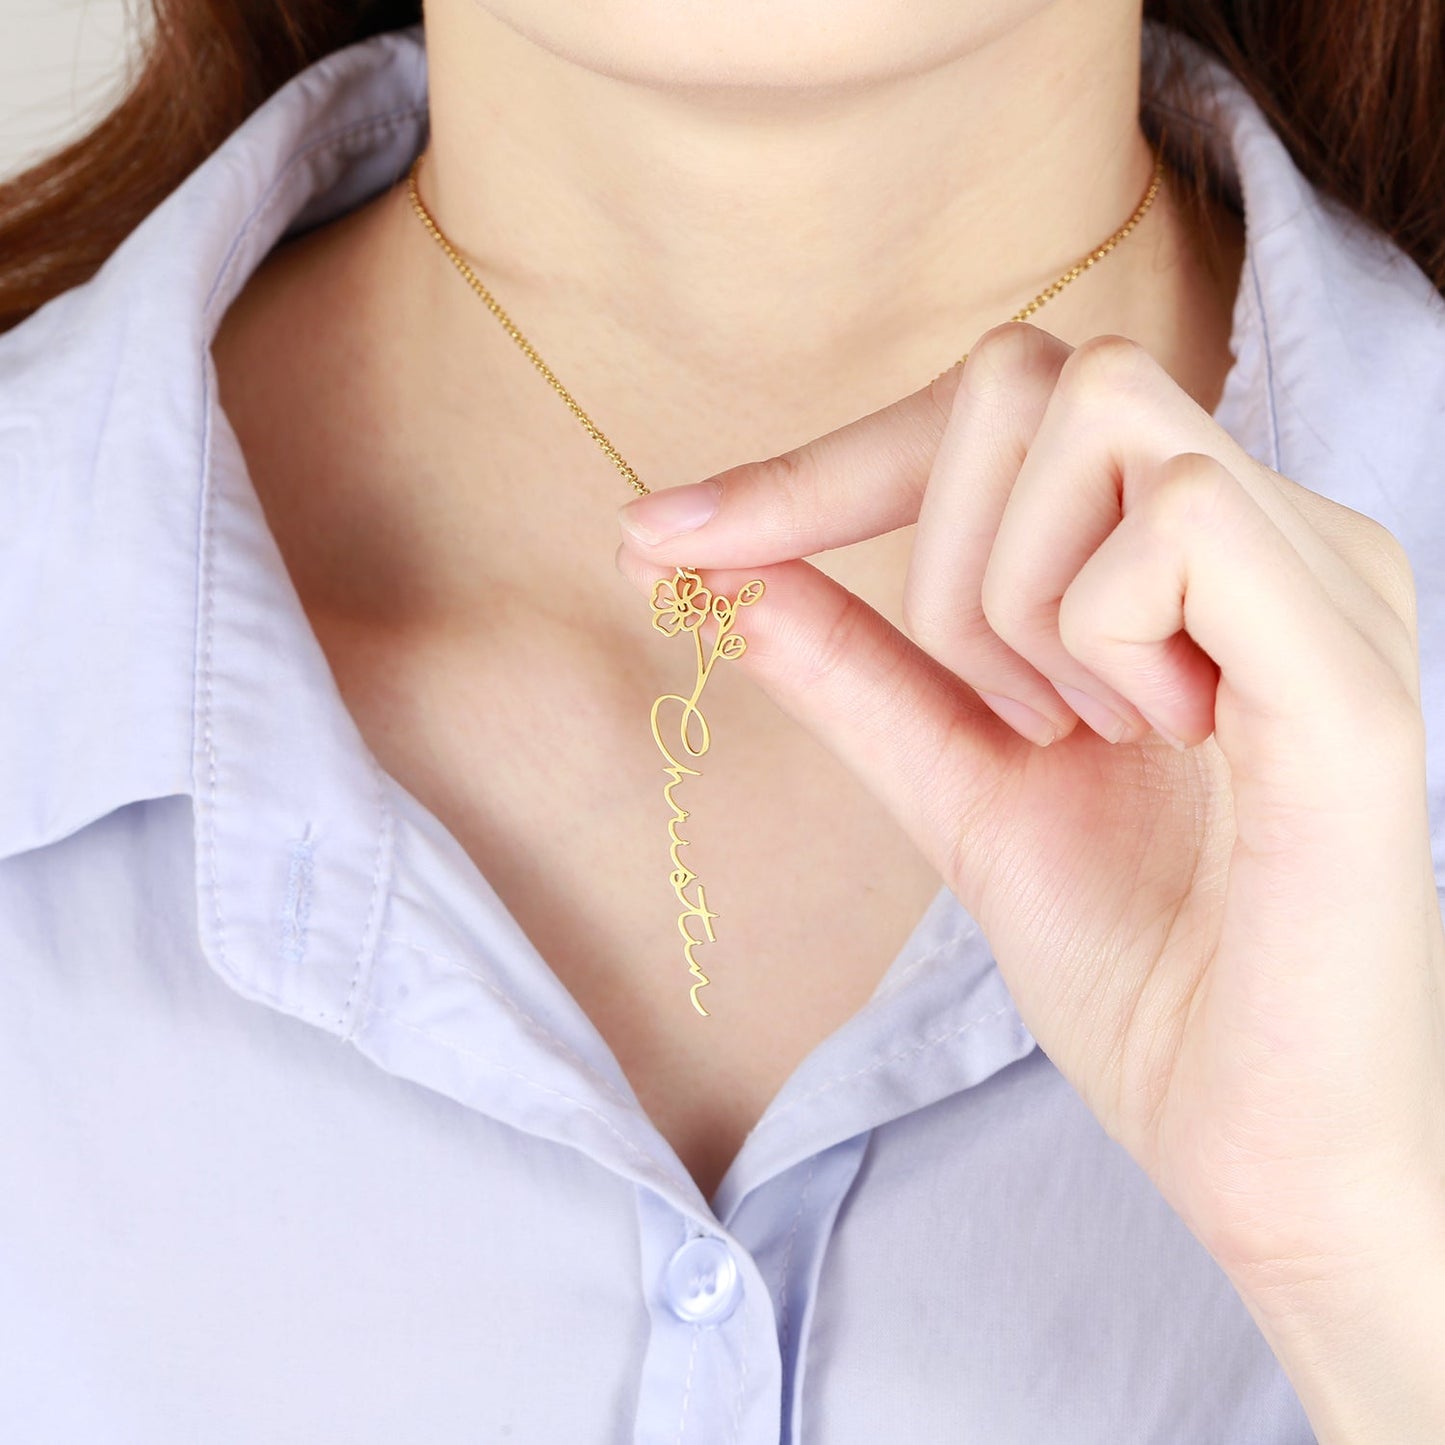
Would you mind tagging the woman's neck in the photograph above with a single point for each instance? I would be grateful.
(739, 231)
(717, 271)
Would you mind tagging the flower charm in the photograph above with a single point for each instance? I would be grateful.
(679, 602)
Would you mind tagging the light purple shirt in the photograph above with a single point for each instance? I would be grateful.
(302, 1140)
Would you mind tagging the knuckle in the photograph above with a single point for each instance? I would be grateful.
(1387, 568)
(1386, 546)
(790, 488)
(1373, 552)
(945, 632)
(1005, 355)
(833, 648)
(1101, 367)
(920, 620)
(1078, 627)
(941, 393)
(784, 471)
(1086, 634)
(1190, 489)
(1007, 612)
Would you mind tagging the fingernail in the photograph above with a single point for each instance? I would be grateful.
(1164, 733)
(1104, 720)
(1034, 726)
(670, 512)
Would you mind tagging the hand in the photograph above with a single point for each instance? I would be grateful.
(1234, 952)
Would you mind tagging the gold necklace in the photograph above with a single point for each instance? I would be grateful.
(681, 602)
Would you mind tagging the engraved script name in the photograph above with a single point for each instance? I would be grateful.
(679, 604)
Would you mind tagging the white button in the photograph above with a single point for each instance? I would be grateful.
(702, 1283)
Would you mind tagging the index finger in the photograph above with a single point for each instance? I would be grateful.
(863, 479)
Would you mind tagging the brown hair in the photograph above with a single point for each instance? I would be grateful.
(1354, 88)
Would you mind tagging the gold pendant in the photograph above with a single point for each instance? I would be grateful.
(679, 604)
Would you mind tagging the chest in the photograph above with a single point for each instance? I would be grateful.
(522, 724)
(537, 756)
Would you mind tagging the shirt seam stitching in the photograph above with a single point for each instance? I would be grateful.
(542, 1030)
(649, 1165)
(918, 1048)
(203, 698)
(784, 1322)
(371, 929)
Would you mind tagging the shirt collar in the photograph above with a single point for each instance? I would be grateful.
(144, 605)
(146, 611)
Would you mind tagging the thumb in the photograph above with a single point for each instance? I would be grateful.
(911, 729)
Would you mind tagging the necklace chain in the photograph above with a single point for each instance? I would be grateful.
(595, 432)
(680, 604)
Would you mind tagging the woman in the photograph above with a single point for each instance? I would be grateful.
(1008, 1073)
